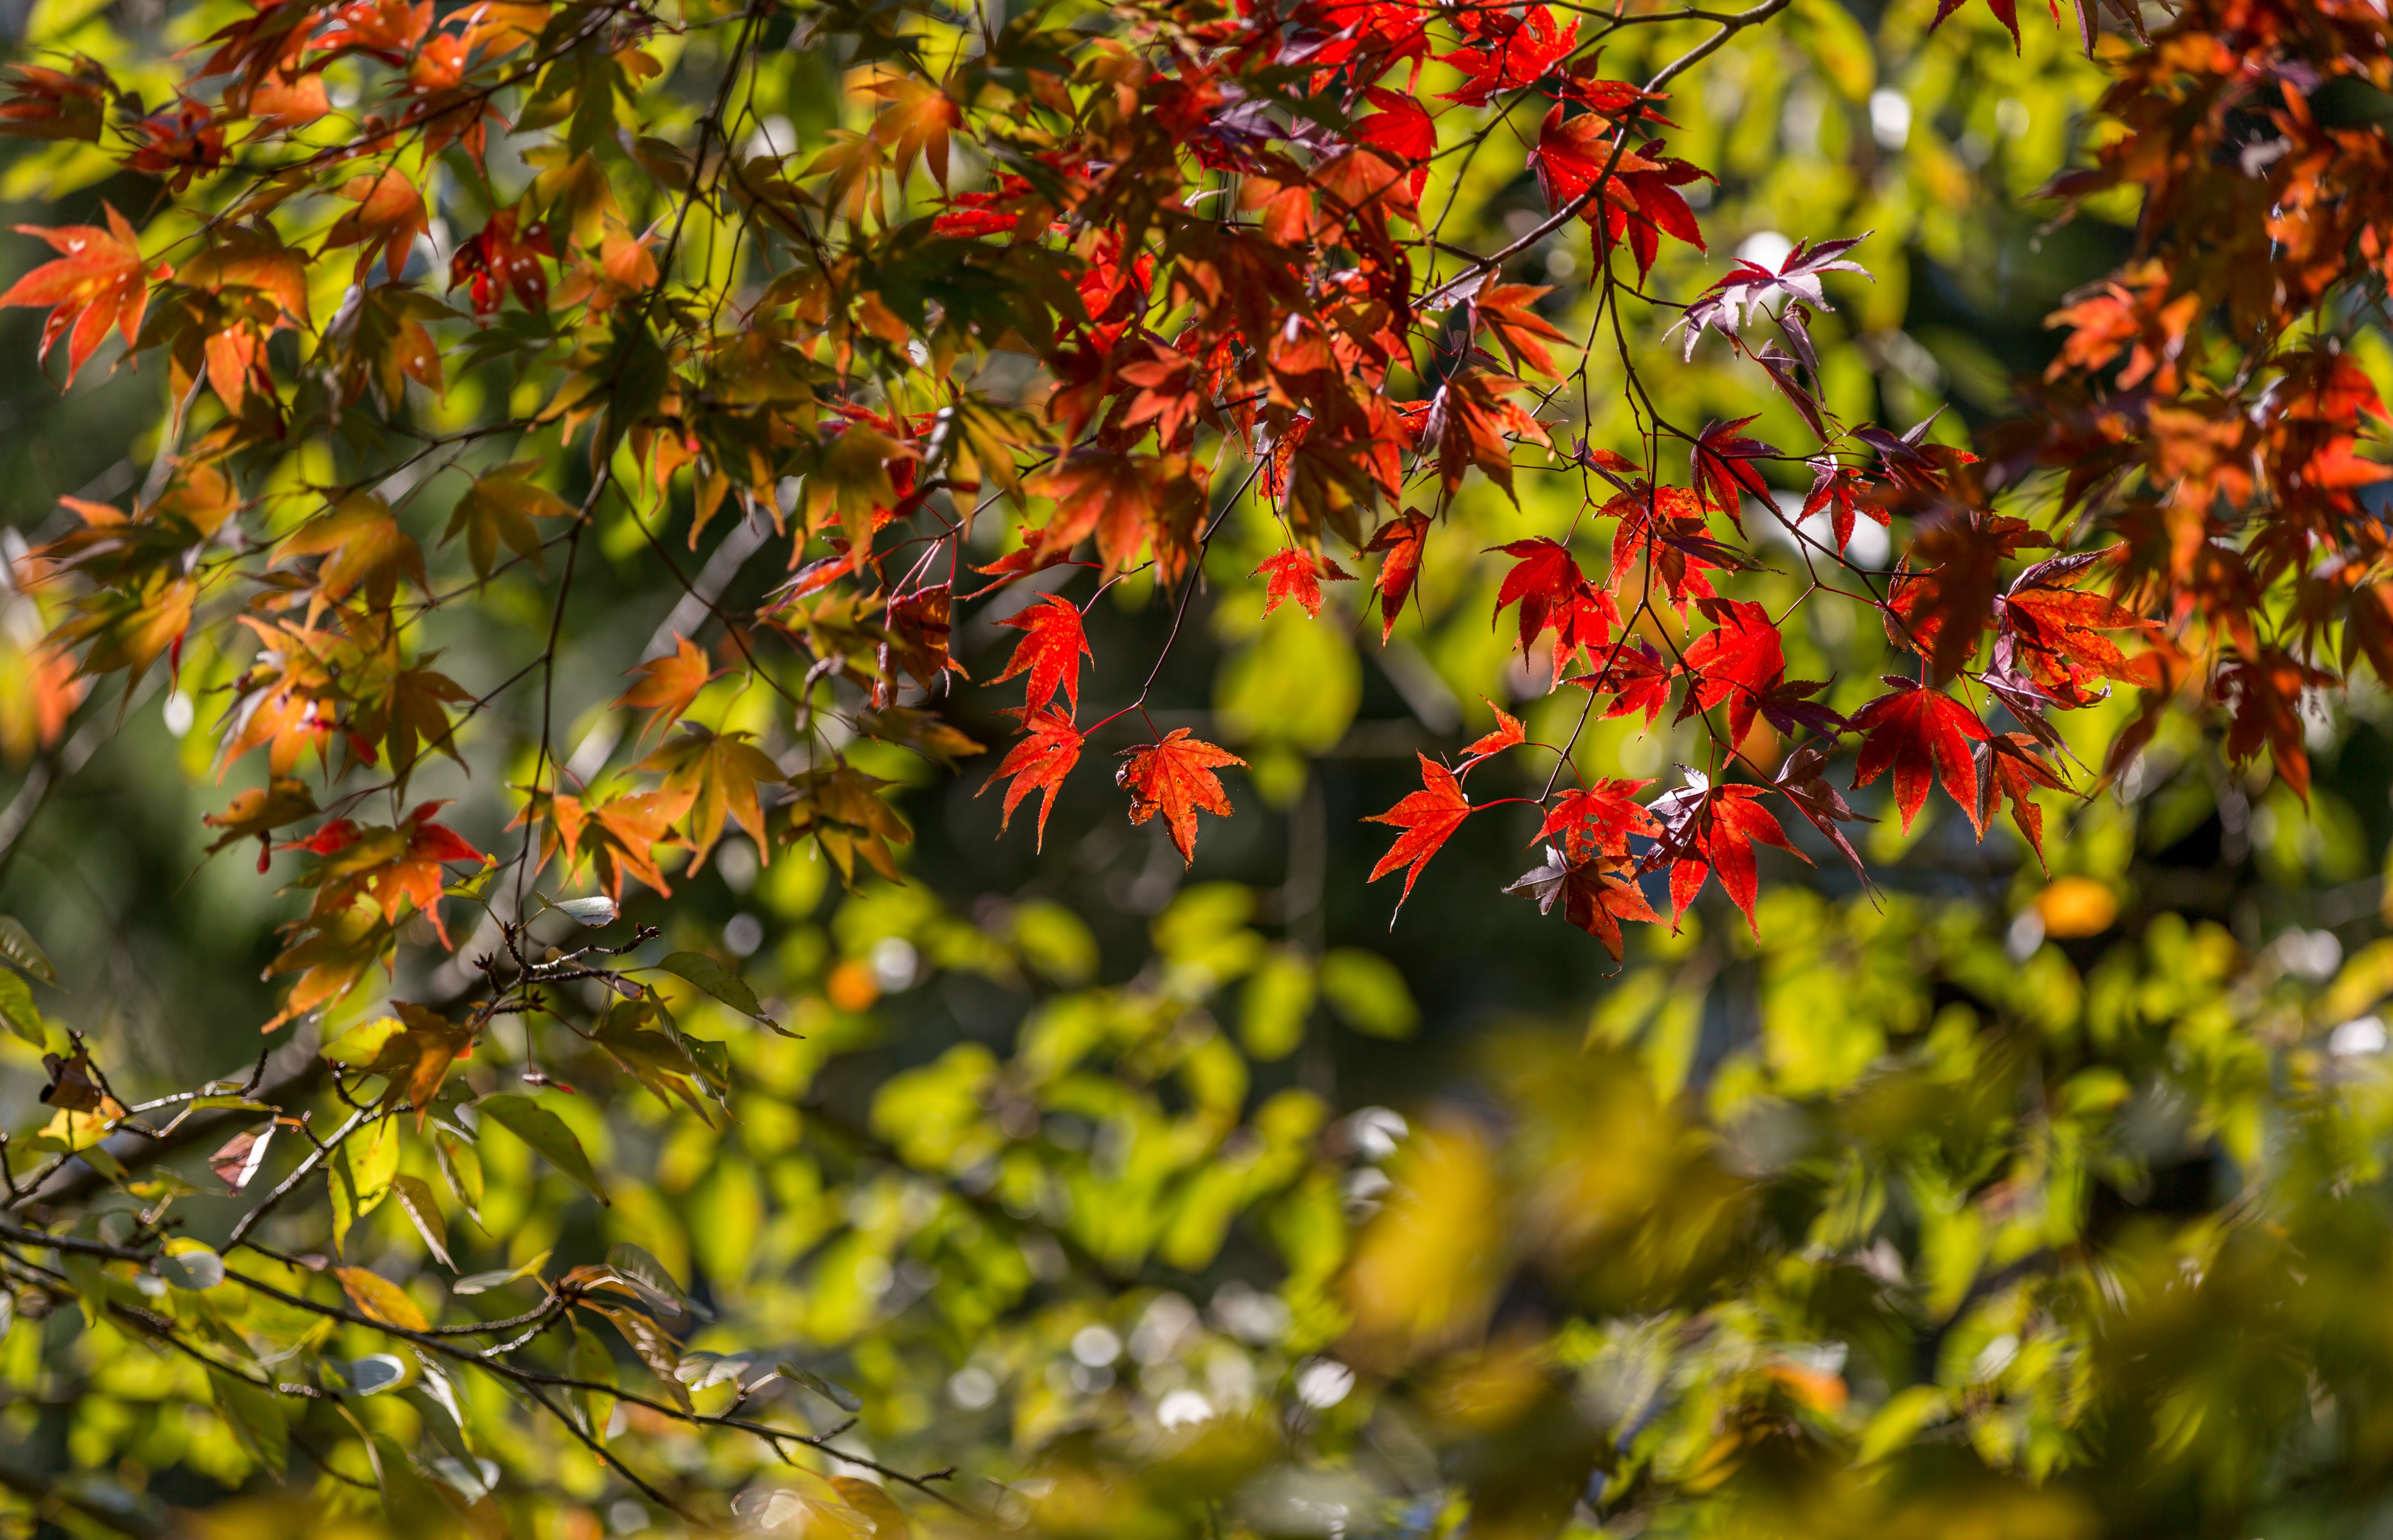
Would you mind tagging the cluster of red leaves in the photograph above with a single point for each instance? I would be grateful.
(1304, 347)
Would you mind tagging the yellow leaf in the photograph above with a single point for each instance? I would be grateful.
(379, 1298)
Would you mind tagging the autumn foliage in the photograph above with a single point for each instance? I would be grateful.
(1080, 293)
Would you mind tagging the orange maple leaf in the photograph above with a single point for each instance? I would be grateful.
(671, 684)
(1049, 749)
(1428, 817)
(1297, 574)
(389, 215)
(1175, 778)
(1050, 653)
(96, 282)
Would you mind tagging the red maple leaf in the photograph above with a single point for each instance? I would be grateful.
(2052, 632)
(2012, 766)
(1050, 652)
(1428, 817)
(1944, 589)
(1297, 574)
(1402, 128)
(1637, 677)
(671, 684)
(96, 282)
(1638, 200)
(1709, 830)
(1838, 489)
(1175, 778)
(499, 259)
(1738, 662)
(1804, 781)
(1723, 466)
(1598, 820)
(1504, 310)
(1508, 734)
(1509, 52)
(2263, 697)
(1049, 749)
(1545, 581)
(1924, 736)
(1596, 895)
(1664, 528)
(1469, 423)
(1401, 538)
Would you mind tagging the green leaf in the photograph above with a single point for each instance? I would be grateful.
(482, 1283)
(831, 1390)
(642, 1271)
(191, 1264)
(255, 1417)
(1368, 993)
(544, 1131)
(460, 1167)
(18, 945)
(18, 1009)
(415, 1197)
(716, 980)
(1278, 997)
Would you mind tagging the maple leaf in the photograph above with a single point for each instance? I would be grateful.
(1732, 301)
(415, 1059)
(1049, 749)
(1050, 652)
(629, 829)
(1503, 309)
(1429, 819)
(2263, 696)
(1296, 574)
(1664, 529)
(2012, 766)
(501, 507)
(919, 628)
(389, 217)
(2052, 632)
(1469, 422)
(1944, 589)
(1738, 661)
(364, 548)
(1547, 586)
(1639, 199)
(97, 282)
(1637, 678)
(257, 812)
(1598, 819)
(1175, 778)
(52, 104)
(1710, 832)
(1723, 466)
(842, 810)
(1804, 781)
(2005, 12)
(1402, 538)
(499, 259)
(1596, 895)
(332, 954)
(669, 687)
(1126, 500)
(721, 772)
(408, 717)
(1512, 52)
(1508, 734)
(1404, 130)
(386, 864)
(1924, 736)
(1837, 490)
